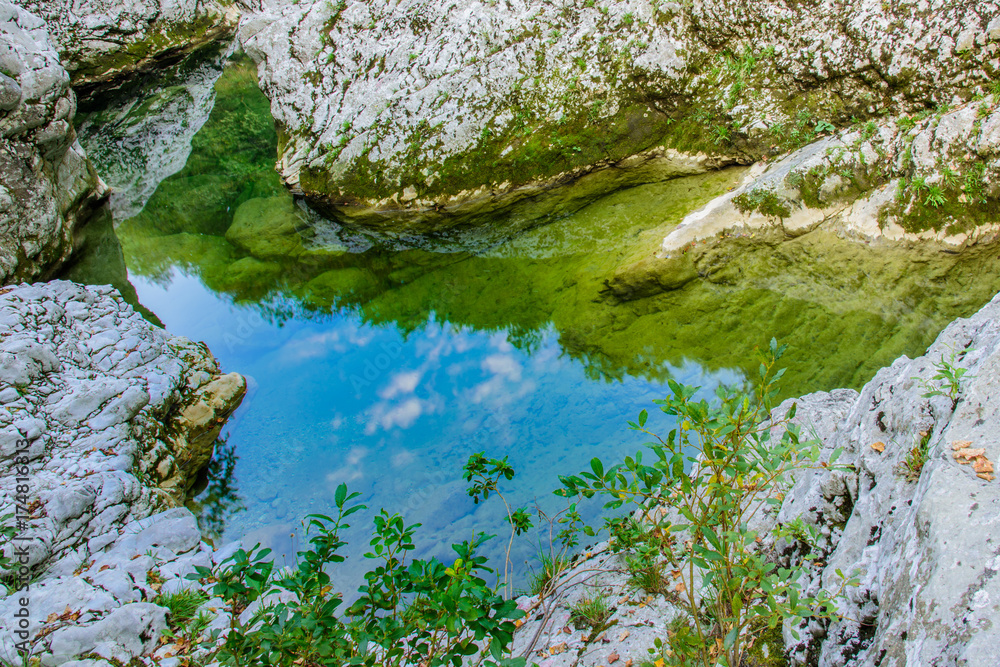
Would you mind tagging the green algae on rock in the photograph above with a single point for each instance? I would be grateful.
(104, 43)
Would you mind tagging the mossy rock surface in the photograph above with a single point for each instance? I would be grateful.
(106, 44)
(268, 228)
(413, 109)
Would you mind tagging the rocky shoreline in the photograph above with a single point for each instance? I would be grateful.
(111, 418)
(114, 448)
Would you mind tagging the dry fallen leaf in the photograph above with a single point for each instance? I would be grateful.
(567, 630)
(878, 446)
(518, 623)
(679, 587)
(623, 636)
(558, 648)
(969, 453)
(976, 456)
(628, 663)
(613, 658)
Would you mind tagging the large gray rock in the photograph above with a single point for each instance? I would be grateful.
(111, 418)
(921, 542)
(423, 109)
(125, 633)
(48, 189)
(102, 41)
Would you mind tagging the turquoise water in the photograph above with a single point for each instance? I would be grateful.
(385, 366)
(396, 415)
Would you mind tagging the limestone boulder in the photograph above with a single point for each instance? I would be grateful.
(48, 188)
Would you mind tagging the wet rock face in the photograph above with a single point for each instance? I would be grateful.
(104, 42)
(111, 416)
(48, 189)
(420, 106)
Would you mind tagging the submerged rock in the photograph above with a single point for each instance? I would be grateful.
(268, 228)
(421, 111)
(106, 42)
(48, 188)
(109, 419)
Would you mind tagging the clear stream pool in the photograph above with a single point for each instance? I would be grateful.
(385, 367)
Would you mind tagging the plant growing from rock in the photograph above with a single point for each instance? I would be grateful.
(549, 568)
(717, 472)
(181, 606)
(590, 611)
(947, 378)
(916, 458)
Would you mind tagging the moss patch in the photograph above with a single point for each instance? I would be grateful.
(163, 41)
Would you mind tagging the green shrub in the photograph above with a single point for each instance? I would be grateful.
(722, 464)
(182, 606)
(409, 611)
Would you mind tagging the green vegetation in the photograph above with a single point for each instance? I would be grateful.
(947, 378)
(590, 612)
(182, 606)
(916, 458)
(704, 482)
(7, 534)
(410, 611)
(763, 201)
(957, 202)
(549, 568)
